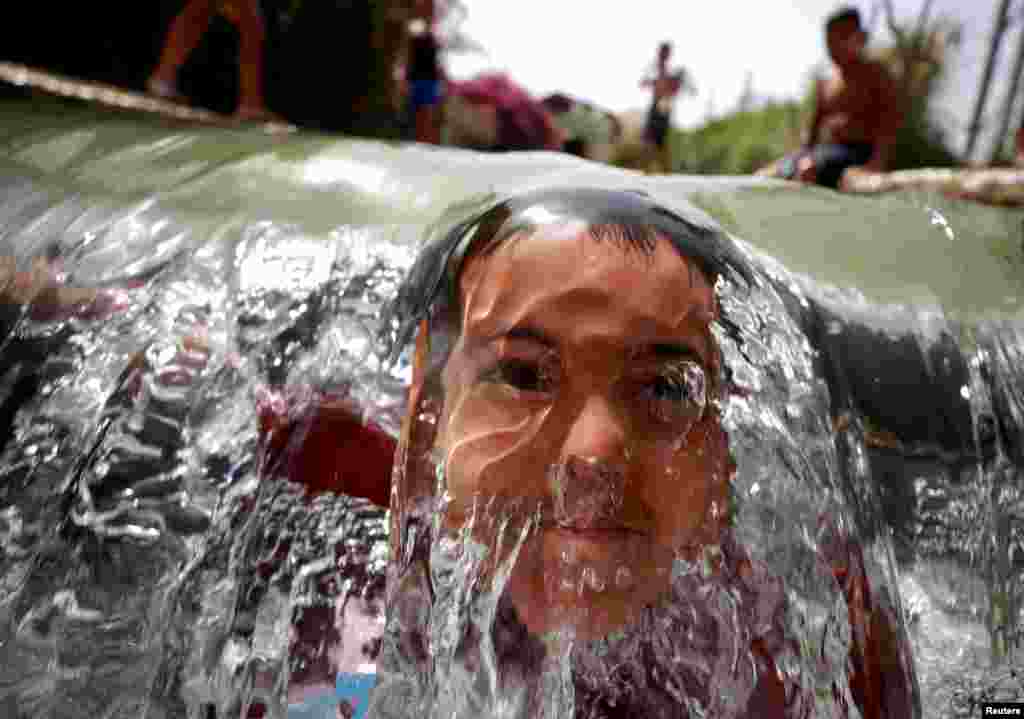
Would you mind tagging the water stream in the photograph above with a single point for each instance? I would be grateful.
(152, 566)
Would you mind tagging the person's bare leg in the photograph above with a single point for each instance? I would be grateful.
(184, 35)
(665, 158)
(652, 159)
(428, 124)
(251, 31)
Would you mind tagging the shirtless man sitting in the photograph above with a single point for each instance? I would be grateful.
(857, 112)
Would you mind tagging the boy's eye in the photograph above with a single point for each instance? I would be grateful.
(524, 375)
(677, 395)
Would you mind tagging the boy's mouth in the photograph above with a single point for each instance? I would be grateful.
(590, 498)
(602, 527)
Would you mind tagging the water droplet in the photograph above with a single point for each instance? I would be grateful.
(623, 578)
(937, 219)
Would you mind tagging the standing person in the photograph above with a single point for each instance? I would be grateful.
(187, 30)
(425, 75)
(857, 112)
(665, 86)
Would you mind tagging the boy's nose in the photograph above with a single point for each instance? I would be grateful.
(588, 494)
(598, 434)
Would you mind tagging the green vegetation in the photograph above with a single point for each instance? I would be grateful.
(741, 142)
(917, 59)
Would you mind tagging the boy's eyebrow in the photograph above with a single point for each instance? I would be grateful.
(669, 351)
(696, 349)
(524, 332)
(656, 350)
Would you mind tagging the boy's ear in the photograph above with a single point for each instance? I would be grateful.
(414, 474)
(419, 363)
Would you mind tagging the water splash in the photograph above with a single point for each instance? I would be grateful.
(151, 566)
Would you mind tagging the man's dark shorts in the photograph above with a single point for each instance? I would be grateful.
(656, 129)
(424, 93)
(830, 159)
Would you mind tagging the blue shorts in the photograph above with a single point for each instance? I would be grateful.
(830, 161)
(424, 93)
(353, 689)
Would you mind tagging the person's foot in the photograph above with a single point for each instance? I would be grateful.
(807, 170)
(164, 90)
(257, 113)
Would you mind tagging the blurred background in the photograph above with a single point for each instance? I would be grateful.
(337, 66)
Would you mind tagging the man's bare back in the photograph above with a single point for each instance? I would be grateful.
(858, 104)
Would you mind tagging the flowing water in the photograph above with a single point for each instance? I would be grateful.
(152, 565)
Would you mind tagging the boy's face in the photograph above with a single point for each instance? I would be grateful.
(580, 384)
(845, 41)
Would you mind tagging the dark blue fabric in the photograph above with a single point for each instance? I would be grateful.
(830, 159)
(656, 128)
(424, 93)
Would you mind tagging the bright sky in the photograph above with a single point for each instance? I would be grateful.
(599, 50)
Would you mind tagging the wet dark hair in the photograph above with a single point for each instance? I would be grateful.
(632, 218)
(844, 14)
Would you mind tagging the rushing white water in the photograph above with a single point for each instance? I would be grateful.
(151, 565)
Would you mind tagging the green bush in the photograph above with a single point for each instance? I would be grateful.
(739, 143)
